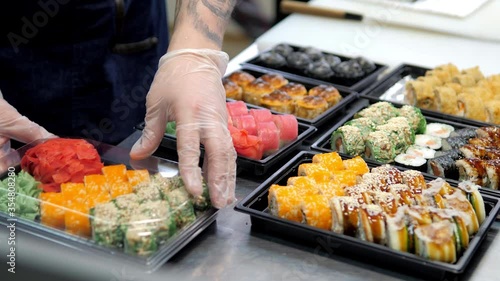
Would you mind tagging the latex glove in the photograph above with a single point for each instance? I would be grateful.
(187, 88)
(15, 126)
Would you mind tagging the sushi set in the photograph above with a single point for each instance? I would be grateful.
(311, 64)
(91, 196)
(261, 138)
(376, 213)
(445, 91)
(311, 103)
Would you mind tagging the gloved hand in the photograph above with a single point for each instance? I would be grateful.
(15, 126)
(187, 88)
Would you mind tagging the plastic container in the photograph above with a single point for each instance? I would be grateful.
(355, 84)
(122, 213)
(334, 244)
(348, 96)
(392, 88)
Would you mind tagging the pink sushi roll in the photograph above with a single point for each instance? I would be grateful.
(288, 126)
(246, 122)
(270, 136)
(236, 108)
(261, 115)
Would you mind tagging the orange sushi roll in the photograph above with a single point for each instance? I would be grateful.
(52, 209)
(315, 170)
(331, 189)
(136, 177)
(345, 177)
(332, 161)
(100, 198)
(95, 184)
(356, 164)
(304, 185)
(77, 220)
(116, 179)
(284, 202)
(316, 211)
(73, 193)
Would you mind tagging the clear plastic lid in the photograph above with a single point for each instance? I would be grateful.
(93, 196)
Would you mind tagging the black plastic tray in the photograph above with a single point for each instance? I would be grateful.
(114, 155)
(256, 204)
(379, 90)
(322, 144)
(353, 84)
(348, 96)
(259, 167)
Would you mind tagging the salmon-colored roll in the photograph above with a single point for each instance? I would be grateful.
(446, 99)
(493, 110)
(304, 185)
(331, 160)
(77, 220)
(316, 211)
(345, 177)
(331, 189)
(52, 209)
(357, 165)
(314, 170)
(136, 177)
(284, 202)
(471, 107)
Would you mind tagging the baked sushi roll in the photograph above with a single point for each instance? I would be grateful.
(492, 133)
(475, 72)
(316, 211)
(233, 91)
(320, 70)
(331, 160)
(241, 78)
(493, 172)
(453, 143)
(329, 93)
(276, 80)
(415, 118)
(278, 101)
(482, 142)
(430, 198)
(474, 196)
(469, 106)
(418, 215)
(493, 110)
(309, 107)
(436, 242)
(345, 215)
(379, 147)
(397, 234)
(357, 165)
(374, 182)
(458, 202)
(298, 61)
(348, 140)
(283, 202)
(443, 166)
(253, 92)
(414, 180)
(403, 194)
(440, 186)
(386, 200)
(420, 93)
(379, 112)
(458, 220)
(472, 169)
(392, 174)
(294, 90)
(371, 224)
(446, 99)
(466, 133)
(272, 59)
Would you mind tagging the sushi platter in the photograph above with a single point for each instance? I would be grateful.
(378, 214)
(261, 138)
(466, 96)
(311, 64)
(90, 196)
(312, 103)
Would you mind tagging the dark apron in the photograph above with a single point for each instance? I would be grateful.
(81, 67)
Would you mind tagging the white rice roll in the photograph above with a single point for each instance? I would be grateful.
(421, 151)
(439, 130)
(428, 141)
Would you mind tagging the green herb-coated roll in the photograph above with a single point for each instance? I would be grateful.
(106, 220)
(365, 125)
(379, 147)
(349, 140)
(182, 207)
(415, 118)
(379, 112)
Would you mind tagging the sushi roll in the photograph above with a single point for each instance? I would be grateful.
(467, 133)
(357, 165)
(415, 118)
(391, 173)
(472, 194)
(379, 112)
(461, 234)
(455, 154)
(314, 170)
(314, 53)
(476, 151)
(398, 236)
(349, 140)
(106, 220)
(430, 198)
(402, 137)
(316, 211)
(440, 186)
(414, 180)
(386, 200)
(126, 204)
(403, 194)
(319, 70)
(375, 182)
(379, 147)
(304, 185)
(147, 192)
(411, 161)
(345, 177)
(404, 127)
(446, 100)
(489, 132)
(365, 125)
(435, 242)
(282, 49)
(472, 169)
(421, 151)
(366, 64)
(357, 192)
(418, 215)
(350, 69)
(371, 224)
(283, 202)
(428, 141)
(458, 202)
(331, 160)
(298, 61)
(485, 142)
(331, 189)
(493, 171)
(182, 207)
(439, 130)
(443, 166)
(453, 143)
(272, 59)
(332, 60)
(345, 211)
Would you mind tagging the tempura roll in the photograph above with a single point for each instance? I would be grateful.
(446, 99)
(469, 106)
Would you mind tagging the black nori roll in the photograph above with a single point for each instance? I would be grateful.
(453, 143)
(272, 59)
(320, 69)
(283, 49)
(332, 60)
(443, 166)
(467, 133)
(367, 65)
(298, 60)
(455, 154)
(348, 69)
(313, 53)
